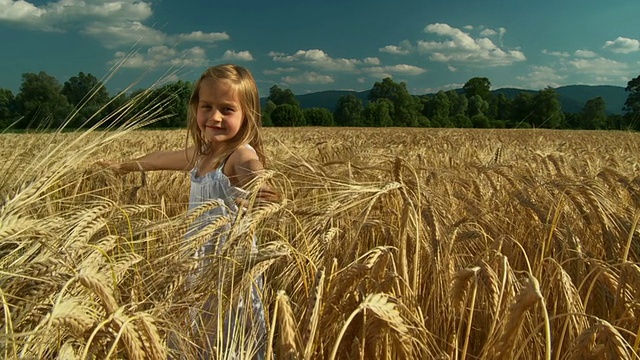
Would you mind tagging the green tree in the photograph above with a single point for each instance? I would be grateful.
(173, 99)
(349, 111)
(477, 106)
(318, 117)
(521, 110)
(378, 113)
(266, 113)
(546, 109)
(288, 115)
(439, 110)
(88, 95)
(458, 110)
(41, 102)
(7, 108)
(480, 86)
(631, 107)
(280, 97)
(594, 114)
(407, 109)
(502, 107)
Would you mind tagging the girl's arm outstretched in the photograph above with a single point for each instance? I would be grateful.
(180, 160)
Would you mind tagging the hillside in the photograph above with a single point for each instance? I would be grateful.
(572, 97)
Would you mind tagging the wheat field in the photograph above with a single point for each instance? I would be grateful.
(388, 244)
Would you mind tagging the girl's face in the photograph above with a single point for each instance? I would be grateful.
(219, 112)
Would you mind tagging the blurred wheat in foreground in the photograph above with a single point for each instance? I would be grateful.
(389, 244)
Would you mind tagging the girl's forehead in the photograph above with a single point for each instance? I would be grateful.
(217, 87)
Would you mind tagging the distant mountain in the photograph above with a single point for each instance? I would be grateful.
(572, 97)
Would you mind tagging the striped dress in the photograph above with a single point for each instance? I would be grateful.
(211, 186)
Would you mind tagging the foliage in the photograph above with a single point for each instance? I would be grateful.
(280, 97)
(41, 101)
(88, 95)
(349, 111)
(594, 115)
(8, 112)
(318, 117)
(632, 105)
(288, 115)
(378, 113)
(407, 108)
(480, 86)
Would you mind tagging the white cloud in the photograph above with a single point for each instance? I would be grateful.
(199, 36)
(403, 48)
(622, 45)
(556, 53)
(540, 77)
(231, 55)
(113, 23)
(402, 69)
(161, 56)
(371, 61)
(468, 27)
(462, 48)
(585, 54)
(319, 59)
(602, 67)
(308, 78)
(280, 70)
(394, 49)
(488, 32)
(19, 11)
(452, 68)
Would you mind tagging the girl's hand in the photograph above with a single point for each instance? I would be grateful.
(112, 165)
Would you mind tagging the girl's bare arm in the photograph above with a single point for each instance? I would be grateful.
(180, 160)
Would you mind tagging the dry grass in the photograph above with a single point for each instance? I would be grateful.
(390, 243)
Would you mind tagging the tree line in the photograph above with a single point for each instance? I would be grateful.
(83, 100)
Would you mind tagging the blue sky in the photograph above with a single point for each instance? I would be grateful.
(310, 46)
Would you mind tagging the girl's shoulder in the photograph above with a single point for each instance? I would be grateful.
(242, 154)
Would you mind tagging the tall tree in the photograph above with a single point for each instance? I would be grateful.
(632, 104)
(318, 117)
(439, 110)
(349, 111)
(87, 94)
(594, 114)
(378, 113)
(288, 115)
(480, 86)
(282, 96)
(547, 111)
(41, 102)
(7, 108)
(174, 100)
(406, 108)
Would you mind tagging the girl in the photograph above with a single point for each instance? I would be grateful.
(224, 124)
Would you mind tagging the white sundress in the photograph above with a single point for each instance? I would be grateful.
(211, 186)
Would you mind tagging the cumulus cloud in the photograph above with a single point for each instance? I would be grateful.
(622, 45)
(488, 32)
(113, 23)
(540, 77)
(279, 70)
(402, 69)
(308, 78)
(602, 67)
(463, 48)
(231, 55)
(556, 53)
(199, 36)
(585, 54)
(161, 56)
(319, 59)
(394, 49)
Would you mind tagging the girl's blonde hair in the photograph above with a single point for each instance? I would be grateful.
(244, 86)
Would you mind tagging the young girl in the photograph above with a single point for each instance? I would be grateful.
(224, 123)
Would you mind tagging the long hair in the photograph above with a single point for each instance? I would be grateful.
(244, 85)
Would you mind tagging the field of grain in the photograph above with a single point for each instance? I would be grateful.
(388, 244)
